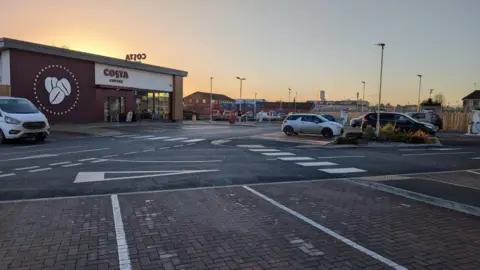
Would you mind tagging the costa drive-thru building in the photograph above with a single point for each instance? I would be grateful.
(75, 87)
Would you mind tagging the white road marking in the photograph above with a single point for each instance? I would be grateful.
(474, 172)
(130, 153)
(27, 146)
(264, 150)
(342, 170)
(86, 159)
(430, 149)
(142, 137)
(191, 144)
(279, 154)
(343, 157)
(125, 136)
(295, 158)
(157, 138)
(84, 151)
(40, 170)
(26, 168)
(175, 139)
(6, 175)
(316, 163)
(59, 163)
(31, 157)
(122, 246)
(72, 165)
(148, 150)
(110, 156)
(40, 150)
(218, 142)
(194, 140)
(165, 161)
(250, 146)
(434, 154)
(328, 231)
(179, 145)
(99, 160)
(161, 148)
(83, 177)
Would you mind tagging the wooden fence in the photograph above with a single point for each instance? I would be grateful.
(5, 90)
(452, 121)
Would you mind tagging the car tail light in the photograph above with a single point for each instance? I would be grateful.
(364, 119)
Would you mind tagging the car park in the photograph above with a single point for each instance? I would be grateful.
(310, 124)
(19, 118)
(428, 117)
(401, 121)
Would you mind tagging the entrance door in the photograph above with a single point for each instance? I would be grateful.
(114, 109)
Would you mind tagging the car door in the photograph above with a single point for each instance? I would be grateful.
(387, 118)
(318, 125)
(307, 124)
(404, 124)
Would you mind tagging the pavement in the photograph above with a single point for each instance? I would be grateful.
(188, 196)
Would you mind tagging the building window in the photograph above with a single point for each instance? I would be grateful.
(204, 101)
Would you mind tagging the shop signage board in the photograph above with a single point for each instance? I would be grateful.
(132, 78)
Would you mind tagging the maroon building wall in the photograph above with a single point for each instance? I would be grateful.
(62, 88)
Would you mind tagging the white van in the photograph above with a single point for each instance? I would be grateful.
(19, 118)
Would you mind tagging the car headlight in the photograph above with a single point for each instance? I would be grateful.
(11, 121)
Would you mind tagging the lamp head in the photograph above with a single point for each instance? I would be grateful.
(380, 44)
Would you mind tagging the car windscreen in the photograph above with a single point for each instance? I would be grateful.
(17, 106)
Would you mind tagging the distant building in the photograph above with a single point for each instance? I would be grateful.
(199, 102)
(472, 100)
(322, 95)
(249, 101)
(332, 106)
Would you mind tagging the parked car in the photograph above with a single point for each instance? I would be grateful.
(19, 118)
(356, 122)
(401, 121)
(329, 117)
(310, 124)
(428, 117)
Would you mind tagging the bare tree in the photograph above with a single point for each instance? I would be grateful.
(439, 98)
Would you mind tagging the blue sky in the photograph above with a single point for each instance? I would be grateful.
(307, 45)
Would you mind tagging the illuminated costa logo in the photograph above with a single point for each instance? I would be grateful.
(115, 73)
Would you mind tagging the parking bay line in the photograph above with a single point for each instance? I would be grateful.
(436, 153)
(60, 163)
(342, 170)
(295, 158)
(328, 231)
(343, 157)
(72, 165)
(27, 168)
(122, 245)
(40, 170)
(279, 154)
(315, 163)
(8, 174)
(264, 150)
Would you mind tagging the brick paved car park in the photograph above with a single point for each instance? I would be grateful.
(328, 224)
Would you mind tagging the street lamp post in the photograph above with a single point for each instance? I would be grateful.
(289, 103)
(255, 106)
(211, 97)
(431, 91)
(296, 96)
(240, 106)
(363, 95)
(419, 91)
(380, 89)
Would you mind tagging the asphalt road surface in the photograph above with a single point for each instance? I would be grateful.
(209, 197)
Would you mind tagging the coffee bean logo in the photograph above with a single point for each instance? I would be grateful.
(58, 90)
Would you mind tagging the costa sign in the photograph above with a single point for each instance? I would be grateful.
(136, 57)
(115, 73)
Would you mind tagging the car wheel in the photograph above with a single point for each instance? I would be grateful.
(2, 137)
(40, 138)
(327, 133)
(289, 131)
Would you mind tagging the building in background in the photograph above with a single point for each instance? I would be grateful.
(471, 101)
(199, 102)
(333, 106)
(77, 87)
(322, 95)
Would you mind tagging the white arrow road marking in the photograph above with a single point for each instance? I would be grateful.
(83, 177)
(31, 157)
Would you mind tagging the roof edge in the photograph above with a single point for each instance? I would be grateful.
(7, 43)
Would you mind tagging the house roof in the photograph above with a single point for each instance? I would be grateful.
(7, 43)
(474, 95)
(206, 95)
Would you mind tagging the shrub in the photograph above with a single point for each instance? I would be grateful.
(418, 137)
(345, 140)
(388, 132)
(369, 133)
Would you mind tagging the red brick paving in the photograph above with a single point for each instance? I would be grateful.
(410, 233)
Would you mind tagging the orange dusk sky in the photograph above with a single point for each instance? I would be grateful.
(306, 45)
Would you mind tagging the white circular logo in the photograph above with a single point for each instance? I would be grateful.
(56, 90)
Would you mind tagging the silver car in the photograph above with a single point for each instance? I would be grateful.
(310, 124)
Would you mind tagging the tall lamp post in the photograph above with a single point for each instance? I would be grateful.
(211, 97)
(363, 95)
(419, 91)
(296, 96)
(380, 89)
(431, 91)
(255, 107)
(240, 108)
(289, 103)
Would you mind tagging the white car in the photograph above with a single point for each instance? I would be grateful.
(310, 124)
(19, 118)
